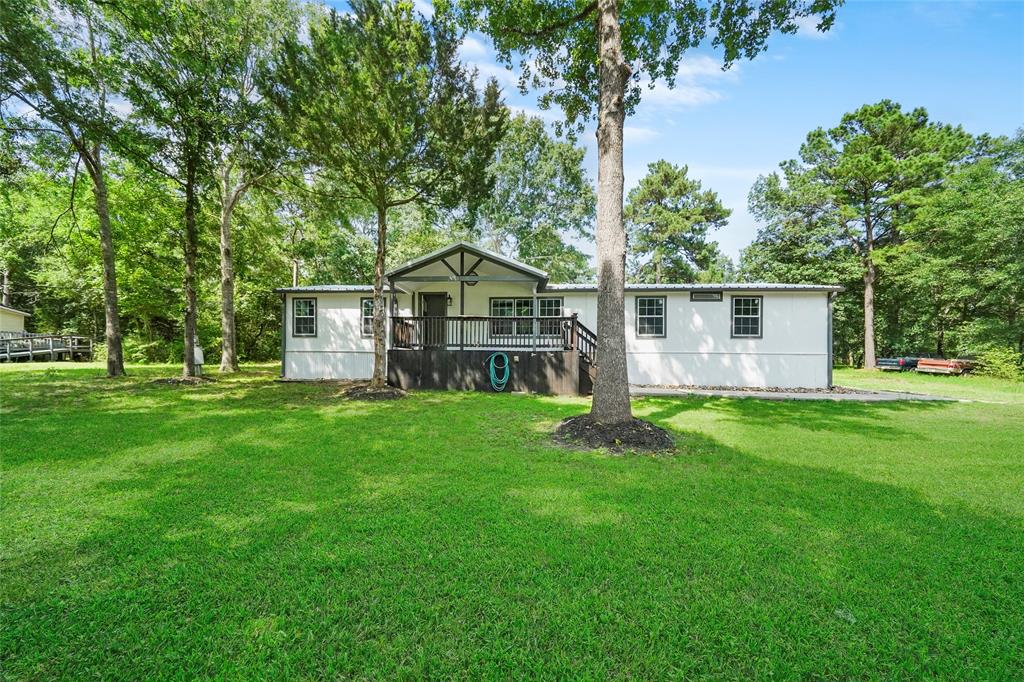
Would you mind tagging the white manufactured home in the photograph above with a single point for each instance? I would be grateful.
(451, 309)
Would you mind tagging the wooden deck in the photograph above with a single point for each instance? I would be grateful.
(553, 355)
(27, 347)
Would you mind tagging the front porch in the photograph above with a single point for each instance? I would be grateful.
(546, 355)
(463, 305)
(470, 332)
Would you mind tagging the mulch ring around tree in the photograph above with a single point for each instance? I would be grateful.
(365, 392)
(184, 381)
(636, 435)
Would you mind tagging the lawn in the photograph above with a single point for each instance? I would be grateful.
(967, 387)
(248, 528)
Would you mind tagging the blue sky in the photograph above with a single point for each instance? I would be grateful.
(962, 61)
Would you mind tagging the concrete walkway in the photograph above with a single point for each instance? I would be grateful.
(863, 396)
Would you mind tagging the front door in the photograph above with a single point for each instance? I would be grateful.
(435, 332)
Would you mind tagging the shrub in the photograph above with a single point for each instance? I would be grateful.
(1001, 362)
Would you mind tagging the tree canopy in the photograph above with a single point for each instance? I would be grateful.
(380, 106)
(669, 217)
(541, 201)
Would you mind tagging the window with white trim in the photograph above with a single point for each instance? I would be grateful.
(547, 306)
(366, 316)
(550, 306)
(650, 316)
(746, 317)
(303, 317)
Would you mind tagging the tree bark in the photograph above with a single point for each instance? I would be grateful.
(869, 313)
(228, 345)
(379, 312)
(869, 294)
(92, 155)
(191, 249)
(611, 389)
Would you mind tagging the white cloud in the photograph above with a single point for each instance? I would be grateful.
(695, 84)
(639, 134)
(703, 66)
(473, 48)
(424, 7)
(682, 95)
(506, 78)
(807, 27)
(547, 115)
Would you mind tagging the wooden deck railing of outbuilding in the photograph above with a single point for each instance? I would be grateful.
(29, 346)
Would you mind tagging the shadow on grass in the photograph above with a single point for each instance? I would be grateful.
(817, 415)
(441, 536)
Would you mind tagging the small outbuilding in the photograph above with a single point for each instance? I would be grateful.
(12, 320)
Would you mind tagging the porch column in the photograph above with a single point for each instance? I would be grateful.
(391, 309)
(536, 318)
(462, 301)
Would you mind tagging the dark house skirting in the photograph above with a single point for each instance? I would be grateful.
(553, 372)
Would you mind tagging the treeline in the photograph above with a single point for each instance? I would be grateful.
(166, 165)
(921, 222)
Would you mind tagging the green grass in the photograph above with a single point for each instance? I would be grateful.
(247, 528)
(966, 387)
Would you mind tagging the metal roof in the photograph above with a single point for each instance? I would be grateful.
(542, 277)
(326, 289)
(592, 287)
(728, 286)
(9, 309)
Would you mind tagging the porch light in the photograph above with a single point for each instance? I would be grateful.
(449, 299)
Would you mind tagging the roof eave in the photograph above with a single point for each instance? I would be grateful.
(438, 254)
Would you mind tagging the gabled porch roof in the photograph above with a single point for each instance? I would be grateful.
(473, 264)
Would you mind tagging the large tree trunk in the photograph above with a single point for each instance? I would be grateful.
(379, 311)
(869, 313)
(611, 389)
(191, 249)
(229, 198)
(112, 331)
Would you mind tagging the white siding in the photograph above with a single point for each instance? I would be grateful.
(697, 348)
(11, 321)
(338, 351)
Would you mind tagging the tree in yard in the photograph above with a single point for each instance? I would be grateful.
(858, 183)
(542, 196)
(669, 217)
(53, 62)
(598, 56)
(964, 252)
(382, 109)
(181, 60)
(251, 150)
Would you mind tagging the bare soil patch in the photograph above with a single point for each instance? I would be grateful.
(364, 392)
(184, 381)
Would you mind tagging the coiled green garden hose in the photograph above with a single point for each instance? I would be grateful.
(498, 382)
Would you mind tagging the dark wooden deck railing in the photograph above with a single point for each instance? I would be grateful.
(499, 333)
